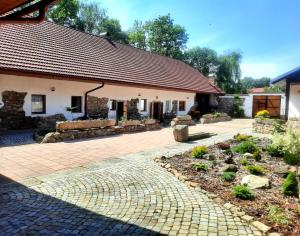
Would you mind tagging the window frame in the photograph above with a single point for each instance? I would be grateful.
(179, 105)
(113, 105)
(80, 107)
(43, 103)
(145, 105)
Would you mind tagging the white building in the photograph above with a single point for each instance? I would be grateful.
(56, 67)
(291, 82)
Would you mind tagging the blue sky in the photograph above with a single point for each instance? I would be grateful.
(267, 32)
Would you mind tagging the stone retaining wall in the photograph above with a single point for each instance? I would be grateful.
(97, 132)
(83, 124)
(182, 120)
(210, 118)
(263, 126)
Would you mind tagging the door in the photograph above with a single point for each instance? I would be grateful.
(202, 101)
(157, 110)
(269, 103)
(120, 110)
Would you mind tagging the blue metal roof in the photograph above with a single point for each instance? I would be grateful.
(293, 74)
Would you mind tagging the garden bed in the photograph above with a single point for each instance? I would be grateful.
(269, 205)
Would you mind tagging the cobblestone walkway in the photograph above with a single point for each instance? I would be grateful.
(128, 196)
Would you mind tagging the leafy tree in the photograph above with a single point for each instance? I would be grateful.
(273, 89)
(90, 18)
(64, 13)
(166, 38)
(203, 59)
(137, 35)
(229, 72)
(113, 27)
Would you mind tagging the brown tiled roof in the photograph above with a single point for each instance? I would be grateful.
(51, 49)
(257, 90)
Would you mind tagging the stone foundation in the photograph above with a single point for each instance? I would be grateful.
(97, 106)
(68, 134)
(12, 115)
(210, 118)
(263, 126)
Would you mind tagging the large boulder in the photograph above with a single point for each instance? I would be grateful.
(181, 133)
(254, 182)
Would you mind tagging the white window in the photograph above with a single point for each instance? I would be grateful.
(143, 105)
(168, 106)
(38, 104)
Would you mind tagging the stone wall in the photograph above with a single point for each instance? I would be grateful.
(133, 111)
(89, 133)
(211, 118)
(84, 124)
(97, 106)
(225, 104)
(263, 126)
(182, 120)
(12, 115)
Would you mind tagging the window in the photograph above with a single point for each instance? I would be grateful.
(113, 105)
(38, 104)
(168, 106)
(181, 105)
(76, 104)
(143, 105)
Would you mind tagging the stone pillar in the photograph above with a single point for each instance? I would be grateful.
(181, 133)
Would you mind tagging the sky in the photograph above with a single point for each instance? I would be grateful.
(266, 32)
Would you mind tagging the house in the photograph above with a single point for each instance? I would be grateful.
(47, 68)
(291, 81)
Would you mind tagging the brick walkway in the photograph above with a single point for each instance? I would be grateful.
(25, 161)
(131, 195)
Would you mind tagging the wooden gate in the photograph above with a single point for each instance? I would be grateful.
(269, 103)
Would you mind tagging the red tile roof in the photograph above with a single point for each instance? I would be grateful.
(257, 90)
(51, 49)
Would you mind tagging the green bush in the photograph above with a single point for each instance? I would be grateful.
(228, 152)
(275, 151)
(242, 192)
(244, 162)
(255, 169)
(290, 185)
(278, 126)
(257, 155)
(246, 146)
(200, 166)
(228, 176)
(241, 137)
(290, 158)
(199, 152)
(277, 215)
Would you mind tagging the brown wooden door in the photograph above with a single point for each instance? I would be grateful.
(269, 103)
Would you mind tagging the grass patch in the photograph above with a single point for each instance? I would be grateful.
(200, 166)
(246, 146)
(277, 215)
(255, 169)
(228, 176)
(243, 192)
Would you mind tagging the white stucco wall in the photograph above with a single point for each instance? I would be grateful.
(58, 100)
(294, 101)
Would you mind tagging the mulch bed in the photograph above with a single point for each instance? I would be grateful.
(211, 182)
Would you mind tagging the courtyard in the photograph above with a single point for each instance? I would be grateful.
(110, 186)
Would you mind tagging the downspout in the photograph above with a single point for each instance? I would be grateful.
(85, 98)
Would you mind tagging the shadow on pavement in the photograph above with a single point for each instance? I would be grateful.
(24, 211)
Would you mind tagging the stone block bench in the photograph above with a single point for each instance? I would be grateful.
(181, 134)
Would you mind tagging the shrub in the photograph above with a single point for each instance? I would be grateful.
(255, 169)
(241, 137)
(277, 215)
(290, 158)
(257, 155)
(246, 146)
(228, 176)
(275, 151)
(244, 162)
(223, 146)
(199, 152)
(200, 166)
(242, 192)
(278, 126)
(238, 110)
(290, 185)
(262, 114)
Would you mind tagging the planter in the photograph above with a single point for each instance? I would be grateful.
(149, 121)
(83, 124)
(129, 123)
(210, 118)
(182, 120)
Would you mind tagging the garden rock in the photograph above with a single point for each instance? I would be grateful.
(229, 168)
(248, 155)
(181, 133)
(254, 182)
(229, 159)
(281, 171)
(209, 157)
